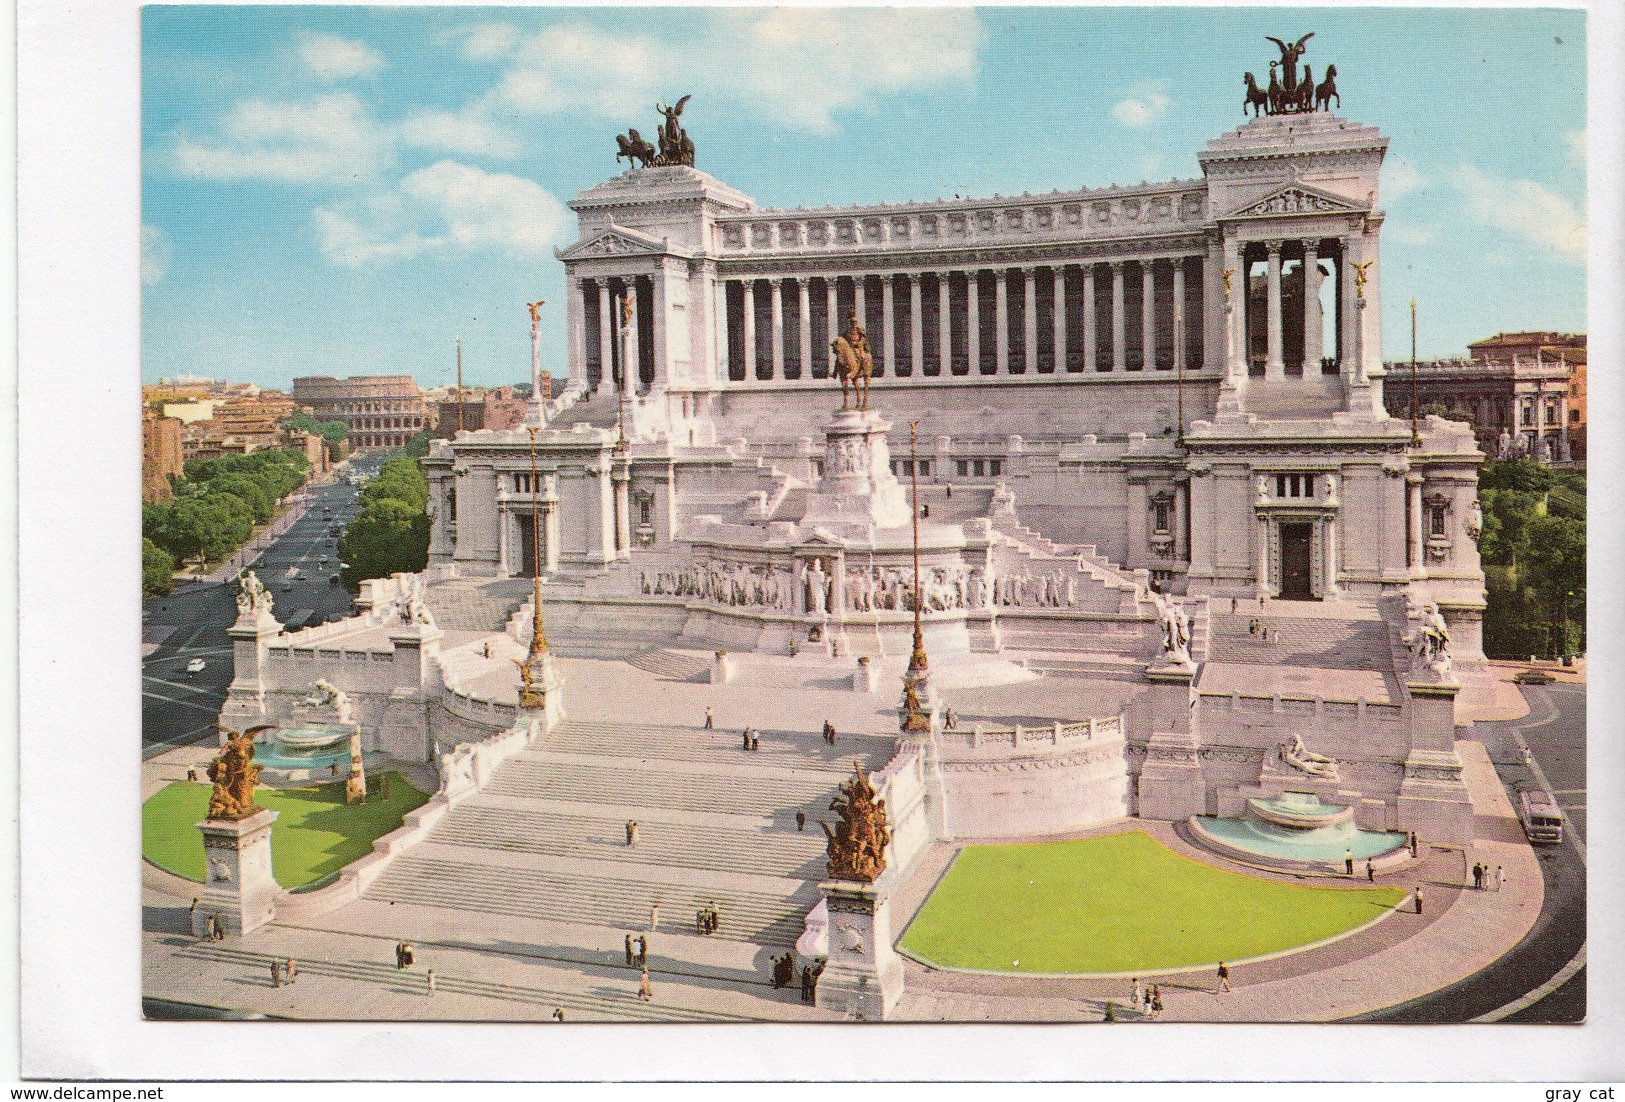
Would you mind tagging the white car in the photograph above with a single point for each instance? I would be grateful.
(196, 665)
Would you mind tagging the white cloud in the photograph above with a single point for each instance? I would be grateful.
(332, 139)
(1400, 177)
(333, 58)
(156, 252)
(1143, 108)
(446, 206)
(1406, 233)
(798, 66)
(1578, 143)
(471, 131)
(1525, 209)
(484, 41)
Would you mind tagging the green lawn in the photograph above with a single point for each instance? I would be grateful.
(1117, 904)
(316, 832)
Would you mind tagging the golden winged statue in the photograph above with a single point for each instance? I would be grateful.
(1360, 276)
(857, 845)
(235, 773)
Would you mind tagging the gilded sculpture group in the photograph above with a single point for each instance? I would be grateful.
(857, 845)
(676, 147)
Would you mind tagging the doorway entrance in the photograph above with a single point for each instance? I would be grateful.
(527, 547)
(1295, 562)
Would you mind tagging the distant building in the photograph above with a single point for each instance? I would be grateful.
(257, 421)
(190, 411)
(1515, 390)
(160, 455)
(499, 409)
(380, 411)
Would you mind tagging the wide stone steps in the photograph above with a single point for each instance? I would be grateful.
(532, 777)
(766, 852)
(795, 750)
(469, 605)
(1301, 641)
(669, 663)
(761, 918)
(1083, 637)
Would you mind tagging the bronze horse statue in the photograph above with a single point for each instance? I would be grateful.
(1328, 91)
(634, 149)
(855, 364)
(1257, 98)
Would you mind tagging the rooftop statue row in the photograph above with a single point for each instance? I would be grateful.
(676, 147)
(1289, 94)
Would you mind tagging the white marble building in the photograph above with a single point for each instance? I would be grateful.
(1118, 394)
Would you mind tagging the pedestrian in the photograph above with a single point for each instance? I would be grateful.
(747, 738)
(332, 769)
(1224, 976)
(276, 972)
(654, 916)
(710, 720)
(631, 832)
(950, 489)
(1370, 872)
(410, 955)
(755, 741)
(217, 927)
(950, 722)
(428, 980)
(1418, 899)
(400, 955)
(806, 983)
(1233, 606)
(1260, 600)
(290, 971)
(793, 650)
(191, 774)
(558, 1013)
(643, 950)
(1135, 996)
(192, 913)
(1500, 878)
(1415, 845)
(645, 992)
(1478, 877)
(1156, 1002)
(801, 821)
(1348, 862)
(1145, 1001)
(630, 958)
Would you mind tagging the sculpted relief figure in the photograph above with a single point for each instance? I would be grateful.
(857, 845)
(1295, 754)
(235, 773)
(252, 595)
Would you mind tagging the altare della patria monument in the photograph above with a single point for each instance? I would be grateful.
(865, 542)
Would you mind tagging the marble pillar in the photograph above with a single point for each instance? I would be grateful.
(1179, 313)
(888, 322)
(1090, 351)
(749, 310)
(776, 287)
(804, 328)
(916, 326)
(1311, 309)
(945, 342)
(1001, 323)
(1148, 313)
(1119, 319)
(606, 337)
(973, 321)
(1274, 367)
(1029, 319)
(1058, 310)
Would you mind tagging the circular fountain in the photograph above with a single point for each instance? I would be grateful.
(305, 752)
(1297, 830)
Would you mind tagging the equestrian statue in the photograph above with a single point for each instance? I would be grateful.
(676, 147)
(1290, 93)
(854, 363)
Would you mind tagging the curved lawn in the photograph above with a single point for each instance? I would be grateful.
(1118, 904)
(315, 835)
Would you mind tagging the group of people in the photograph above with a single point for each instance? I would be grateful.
(283, 971)
(829, 733)
(637, 951)
(1482, 878)
(784, 970)
(753, 739)
(1258, 630)
(1147, 1000)
(706, 920)
(405, 955)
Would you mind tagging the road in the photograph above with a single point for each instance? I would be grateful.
(1554, 732)
(179, 707)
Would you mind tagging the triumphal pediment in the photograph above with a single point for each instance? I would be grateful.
(1295, 199)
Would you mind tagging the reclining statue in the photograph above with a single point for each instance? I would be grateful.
(1295, 754)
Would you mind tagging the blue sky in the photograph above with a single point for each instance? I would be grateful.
(331, 190)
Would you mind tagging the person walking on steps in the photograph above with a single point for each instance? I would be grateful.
(654, 916)
(643, 950)
(428, 980)
(1224, 976)
(1418, 899)
(631, 832)
(710, 720)
(276, 972)
(1370, 872)
(801, 821)
(630, 958)
(645, 992)
(1348, 862)
(558, 1013)
(1500, 878)
(1136, 996)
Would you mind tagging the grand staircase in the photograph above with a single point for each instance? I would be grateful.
(1328, 643)
(546, 838)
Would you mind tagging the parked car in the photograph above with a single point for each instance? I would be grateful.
(196, 665)
(1533, 677)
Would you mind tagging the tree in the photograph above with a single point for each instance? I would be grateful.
(331, 431)
(249, 489)
(157, 566)
(388, 536)
(417, 447)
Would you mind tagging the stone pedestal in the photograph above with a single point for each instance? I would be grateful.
(245, 697)
(863, 978)
(550, 681)
(858, 491)
(1171, 784)
(238, 885)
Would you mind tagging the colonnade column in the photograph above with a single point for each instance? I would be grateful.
(1119, 320)
(1350, 365)
(1274, 368)
(750, 329)
(1089, 340)
(916, 316)
(631, 367)
(719, 335)
(1311, 309)
(1001, 323)
(888, 322)
(804, 327)
(1029, 319)
(575, 324)
(504, 520)
(622, 475)
(1413, 523)
(973, 321)
(1058, 312)
(1233, 284)
(606, 337)
(1148, 313)
(945, 342)
(1263, 558)
(832, 321)
(860, 303)
(777, 315)
(1179, 313)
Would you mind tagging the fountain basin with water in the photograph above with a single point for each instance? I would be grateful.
(305, 752)
(1298, 830)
